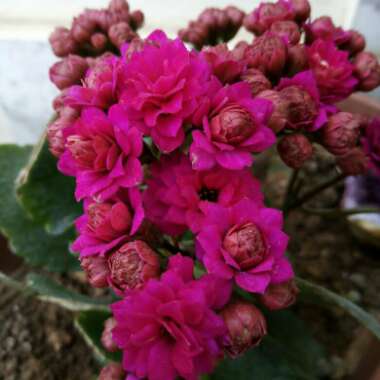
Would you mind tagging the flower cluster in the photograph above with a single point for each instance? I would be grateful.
(161, 141)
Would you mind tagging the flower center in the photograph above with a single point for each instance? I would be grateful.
(232, 125)
(82, 150)
(210, 195)
(246, 244)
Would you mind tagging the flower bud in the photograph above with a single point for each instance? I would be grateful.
(82, 28)
(303, 109)
(232, 125)
(297, 60)
(239, 50)
(355, 44)
(288, 30)
(268, 53)
(68, 72)
(295, 150)
(260, 20)
(246, 327)
(235, 15)
(99, 41)
(55, 130)
(324, 28)
(112, 371)
(246, 244)
(280, 296)
(106, 338)
(62, 42)
(118, 6)
(132, 265)
(96, 269)
(257, 81)
(108, 221)
(136, 19)
(367, 70)
(120, 33)
(354, 162)
(279, 116)
(341, 133)
(301, 10)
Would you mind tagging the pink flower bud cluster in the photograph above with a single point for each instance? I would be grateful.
(161, 141)
(212, 26)
(94, 31)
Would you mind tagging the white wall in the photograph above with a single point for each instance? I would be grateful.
(34, 19)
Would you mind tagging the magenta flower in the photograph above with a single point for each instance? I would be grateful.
(246, 243)
(108, 224)
(101, 154)
(170, 329)
(100, 86)
(176, 192)
(162, 87)
(302, 95)
(225, 66)
(332, 70)
(371, 144)
(234, 127)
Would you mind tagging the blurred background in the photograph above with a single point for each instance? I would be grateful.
(26, 93)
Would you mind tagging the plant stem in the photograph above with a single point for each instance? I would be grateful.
(289, 189)
(11, 283)
(315, 191)
(337, 212)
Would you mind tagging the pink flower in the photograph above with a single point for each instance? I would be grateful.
(332, 70)
(244, 242)
(162, 87)
(113, 371)
(102, 154)
(371, 144)
(176, 193)
(223, 62)
(234, 127)
(100, 86)
(305, 108)
(170, 329)
(108, 224)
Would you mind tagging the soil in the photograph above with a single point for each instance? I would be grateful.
(38, 340)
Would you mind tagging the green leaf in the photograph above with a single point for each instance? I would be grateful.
(317, 294)
(27, 238)
(51, 291)
(90, 324)
(46, 194)
(288, 352)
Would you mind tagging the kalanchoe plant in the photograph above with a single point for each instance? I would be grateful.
(160, 140)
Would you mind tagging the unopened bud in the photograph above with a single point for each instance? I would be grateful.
(232, 125)
(120, 33)
(99, 41)
(106, 338)
(68, 72)
(295, 150)
(246, 327)
(267, 53)
(301, 10)
(297, 60)
(96, 269)
(62, 42)
(257, 81)
(280, 296)
(367, 70)
(132, 265)
(288, 30)
(355, 44)
(341, 133)
(278, 119)
(354, 162)
(113, 371)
